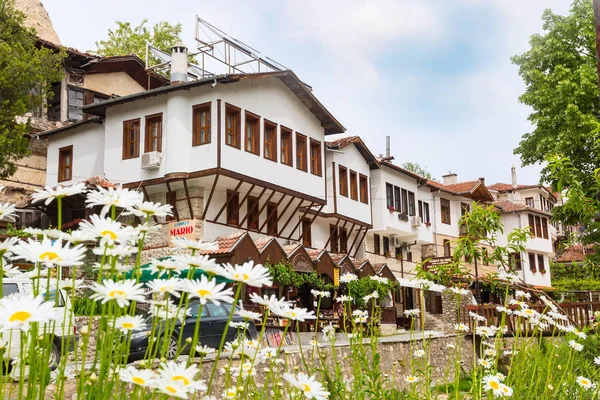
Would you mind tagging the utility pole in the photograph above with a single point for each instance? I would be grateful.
(597, 30)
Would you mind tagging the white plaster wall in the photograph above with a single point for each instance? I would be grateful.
(426, 232)
(87, 141)
(451, 229)
(537, 278)
(119, 83)
(352, 160)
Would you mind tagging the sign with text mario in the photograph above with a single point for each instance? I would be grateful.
(182, 229)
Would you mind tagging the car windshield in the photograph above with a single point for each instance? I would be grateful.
(194, 310)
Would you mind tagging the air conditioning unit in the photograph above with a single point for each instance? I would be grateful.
(151, 160)
(396, 242)
(416, 221)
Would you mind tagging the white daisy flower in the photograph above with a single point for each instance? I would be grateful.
(419, 353)
(450, 345)
(118, 197)
(34, 273)
(348, 277)
(579, 334)
(21, 309)
(49, 252)
(575, 346)
(374, 295)
(203, 350)
(320, 293)
(249, 273)
(238, 325)
(122, 292)
(503, 309)
(50, 194)
(10, 271)
(230, 393)
(204, 263)
(129, 323)
(8, 212)
(174, 389)
(147, 228)
(506, 390)
(487, 364)
(118, 267)
(343, 299)
(148, 209)
(380, 279)
(248, 315)
(179, 373)
(476, 317)
(77, 236)
(197, 245)
(208, 290)
(167, 265)
(412, 379)
(412, 313)
(109, 231)
(7, 245)
(584, 382)
(311, 388)
(268, 353)
(140, 377)
(69, 284)
(508, 276)
(461, 327)
(492, 383)
(35, 232)
(172, 286)
(597, 360)
(269, 302)
(486, 331)
(460, 291)
(296, 314)
(121, 250)
(328, 332)
(168, 311)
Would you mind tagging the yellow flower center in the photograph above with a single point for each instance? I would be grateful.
(585, 382)
(127, 325)
(494, 385)
(182, 379)
(230, 393)
(203, 292)
(411, 378)
(20, 316)
(305, 387)
(163, 288)
(138, 380)
(245, 277)
(505, 389)
(50, 256)
(171, 389)
(110, 234)
(116, 293)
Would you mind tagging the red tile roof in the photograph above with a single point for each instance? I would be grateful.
(341, 142)
(509, 206)
(458, 188)
(290, 248)
(315, 254)
(337, 258)
(360, 145)
(379, 267)
(262, 243)
(99, 181)
(226, 243)
(507, 187)
(574, 253)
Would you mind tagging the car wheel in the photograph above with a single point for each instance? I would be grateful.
(54, 357)
(171, 348)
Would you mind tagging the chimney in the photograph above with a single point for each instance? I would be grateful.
(513, 172)
(449, 178)
(179, 63)
(387, 147)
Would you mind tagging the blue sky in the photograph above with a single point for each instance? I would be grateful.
(434, 75)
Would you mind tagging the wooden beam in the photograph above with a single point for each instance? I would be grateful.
(300, 221)
(227, 202)
(334, 189)
(248, 211)
(210, 196)
(356, 238)
(175, 213)
(316, 214)
(349, 248)
(242, 202)
(331, 234)
(261, 209)
(291, 216)
(340, 235)
(271, 213)
(361, 240)
(187, 195)
(147, 197)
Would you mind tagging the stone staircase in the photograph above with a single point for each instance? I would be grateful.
(435, 323)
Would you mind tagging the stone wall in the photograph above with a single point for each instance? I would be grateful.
(449, 307)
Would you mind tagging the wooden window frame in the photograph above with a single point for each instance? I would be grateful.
(252, 208)
(545, 227)
(527, 202)
(532, 262)
(233, 212)
(426, 212)
(447, 248)
(531, 221)
(538, 227)
(411, 203)
(376, 244)
(445, 215)
(61, 164)
(363, 188)
(420, 208)
(335, 240)
(252, 144)
(343, 176)
(272, 211)
(127, 142)
(235, 131)
(270, 144)
(287, 147)
(171, 198)
(343, 240)
(315, 162)
(301, 149)
(386, 246)
(404, 201)
(197, 110)
(389, 195)
(541, 264)
(149, 119)
(353, 175)
(306, 232)
(397, 199)
(516, 259)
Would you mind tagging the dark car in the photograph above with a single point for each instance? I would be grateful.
(212, 324)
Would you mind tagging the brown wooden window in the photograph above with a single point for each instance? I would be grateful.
(153, 137)
(343, 181)
(252, 133)
(286, 146)
(426, 212)
(172, 201)
(353, 185)
(445, 206)
(272, 219)
(389, 195)
(270, 141)
(335, 240)
(397, 199)
(376, 244)
(404, 201)
(532, 262)
(538, 227)
(301, 152)
(464, 208)
(201, 124)
(252, 211)
(411, 204)
(532, 224)
(306, 234)
(315, 157)
(233, 208)
(545, 227)
(541, 265)
(131, 139)
(515, 261)
(65, 163)
(343, 241)
(447, 248)
(364, 189)
(529, 202)
(386, 246)
(232, 126)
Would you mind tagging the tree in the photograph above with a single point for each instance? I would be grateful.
(26, 73)
(417, 169)
(126, 39)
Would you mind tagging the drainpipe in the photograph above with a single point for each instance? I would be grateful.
(520, 227)
(435, 241)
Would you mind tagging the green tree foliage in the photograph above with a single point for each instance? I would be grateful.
(284, 274)
(127, 39)
(417, 169)
(361, 287)
(26, 73)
